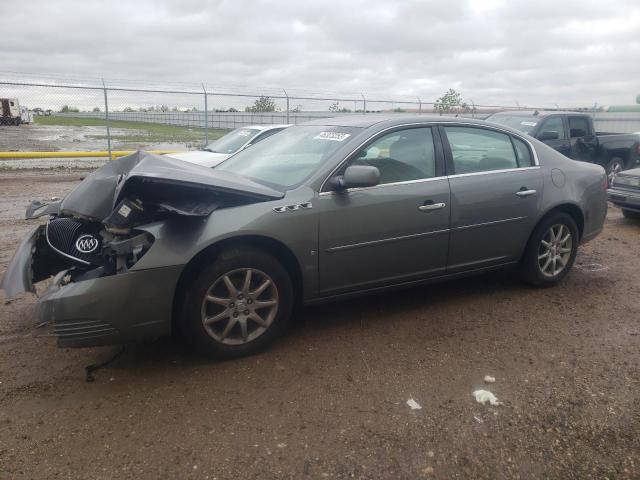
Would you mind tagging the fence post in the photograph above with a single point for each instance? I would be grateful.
(419, 105)
(106, 116)
(206, 117)
(287, 95)
(364, 104)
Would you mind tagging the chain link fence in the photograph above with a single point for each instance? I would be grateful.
(94, 116)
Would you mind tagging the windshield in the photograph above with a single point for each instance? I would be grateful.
(287, 159)
(232, 141)
(523, 123)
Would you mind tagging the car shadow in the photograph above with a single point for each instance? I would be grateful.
(174, 352)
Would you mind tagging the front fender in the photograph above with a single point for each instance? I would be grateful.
(19, 275)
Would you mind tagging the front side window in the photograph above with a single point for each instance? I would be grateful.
(400, 156)
(479, 150)
(554, 125)
(578, 127)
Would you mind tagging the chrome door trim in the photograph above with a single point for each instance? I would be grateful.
(495, 222)
(432, 123)
(381, 185)
(351, 246)
(487, 172)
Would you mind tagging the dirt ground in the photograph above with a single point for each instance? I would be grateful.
(329, 399)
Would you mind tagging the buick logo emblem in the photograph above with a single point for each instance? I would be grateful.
(86, 243)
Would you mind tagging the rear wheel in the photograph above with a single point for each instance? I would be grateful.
(614, 167)
(238, 305)
(551, 250)
(631, 214)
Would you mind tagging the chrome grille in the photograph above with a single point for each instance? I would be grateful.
(63, 233)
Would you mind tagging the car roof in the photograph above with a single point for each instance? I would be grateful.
(368, 120)
(537, 113)
(265, 127)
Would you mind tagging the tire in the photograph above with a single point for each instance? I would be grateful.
(225, 313)
(631, 214)
(615, 166)
(532, 267)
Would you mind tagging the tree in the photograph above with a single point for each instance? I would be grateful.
(68, 109)
(451, 102)
(335, 107)
(96, 110)
(263, 104)
(128, 109)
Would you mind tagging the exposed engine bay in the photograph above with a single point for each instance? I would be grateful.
(93, 232)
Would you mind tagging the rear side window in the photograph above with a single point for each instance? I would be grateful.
(480, 150)
(523, 153)
(578, 127)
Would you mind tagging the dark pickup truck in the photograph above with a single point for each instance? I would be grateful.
(573, 135)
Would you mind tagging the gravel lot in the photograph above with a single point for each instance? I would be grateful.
(329, 400)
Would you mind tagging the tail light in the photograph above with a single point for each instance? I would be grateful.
(605, 183)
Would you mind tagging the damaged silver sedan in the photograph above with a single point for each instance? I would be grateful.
(333, 208)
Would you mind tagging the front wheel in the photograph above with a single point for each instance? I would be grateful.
(238, 305)
(551, 250)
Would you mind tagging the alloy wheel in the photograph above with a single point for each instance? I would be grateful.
(555, 250)
(240, 306)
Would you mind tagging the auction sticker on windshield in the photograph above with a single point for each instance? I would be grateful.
(335, 136)
(244, 133)
(528, 124)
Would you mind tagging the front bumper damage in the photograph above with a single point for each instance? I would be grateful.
(129, 307)
(86, 305)
(94, 238)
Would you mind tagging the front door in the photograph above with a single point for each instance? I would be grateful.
(583, 140)
(555, 125)
(394, 232)
(496, 190)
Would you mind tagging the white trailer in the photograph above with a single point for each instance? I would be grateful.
(10, 111)
(26, 115)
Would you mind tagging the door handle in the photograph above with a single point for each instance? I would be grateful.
(427, 207)
(526, 193)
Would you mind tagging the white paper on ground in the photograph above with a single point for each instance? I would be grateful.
(413, 404)
(484, 396)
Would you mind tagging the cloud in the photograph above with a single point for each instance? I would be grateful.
(493, 51)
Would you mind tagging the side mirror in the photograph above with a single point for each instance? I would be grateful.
(357, 176)
(548, 135)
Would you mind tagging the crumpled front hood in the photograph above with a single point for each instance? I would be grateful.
(201, 157)
(159, 177)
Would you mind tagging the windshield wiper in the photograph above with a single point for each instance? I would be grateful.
(209, 150)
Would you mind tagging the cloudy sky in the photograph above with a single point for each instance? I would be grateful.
(494, 52)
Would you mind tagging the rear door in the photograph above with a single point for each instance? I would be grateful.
(393, 232)
(496, 190)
